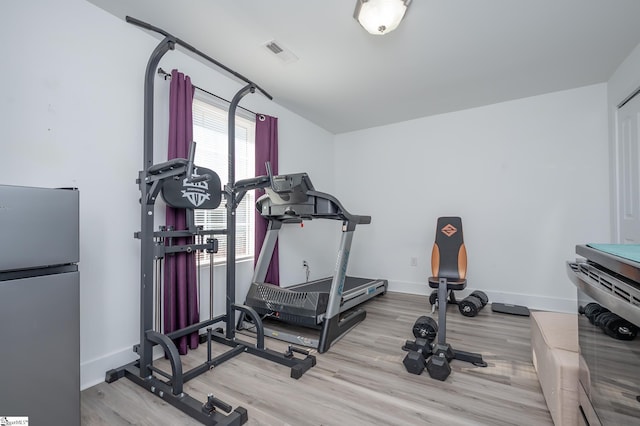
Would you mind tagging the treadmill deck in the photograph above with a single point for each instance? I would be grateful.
(323, 285)
(306, 303)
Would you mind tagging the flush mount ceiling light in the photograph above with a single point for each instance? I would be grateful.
(379, 17)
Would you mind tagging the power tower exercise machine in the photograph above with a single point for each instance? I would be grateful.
(327, 304)
(201, 187)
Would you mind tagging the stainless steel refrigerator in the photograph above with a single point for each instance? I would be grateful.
(39, 305)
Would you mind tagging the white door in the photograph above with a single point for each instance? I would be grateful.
(628, 141)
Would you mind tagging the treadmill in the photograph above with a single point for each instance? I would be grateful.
(328, 304)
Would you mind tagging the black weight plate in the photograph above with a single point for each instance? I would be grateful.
(482, 296)
(607, 320)
(602, 318)
(586, 310)
(425, 328)
(619, 328)
(592, 310)
(470, 306)
(625, 330)
(433, 297)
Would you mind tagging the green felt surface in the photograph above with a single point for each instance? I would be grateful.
(626, 251)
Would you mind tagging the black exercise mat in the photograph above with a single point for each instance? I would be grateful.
(505, 308)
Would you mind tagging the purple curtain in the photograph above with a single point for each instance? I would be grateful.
(180, 275)
(266, 150)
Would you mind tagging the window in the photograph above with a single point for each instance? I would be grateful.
(210, 134)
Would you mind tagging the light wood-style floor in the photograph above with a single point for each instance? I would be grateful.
(360, 380)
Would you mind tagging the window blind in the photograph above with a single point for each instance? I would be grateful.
(210, 134)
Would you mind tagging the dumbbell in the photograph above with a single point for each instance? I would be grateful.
(473, 303)
(433, 298)
(612, 324)
(438, 365)
(425, 328)
(470, 306)
(603, 317)
(591, 311)
(482, 296)
(618, 328)
(415, 360)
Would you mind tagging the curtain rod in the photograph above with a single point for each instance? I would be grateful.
(192, 49)
(167, 76)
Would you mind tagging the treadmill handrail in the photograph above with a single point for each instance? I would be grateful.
(357, 219)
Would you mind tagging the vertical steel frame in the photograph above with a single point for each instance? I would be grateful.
(147, 201)
(150, 180)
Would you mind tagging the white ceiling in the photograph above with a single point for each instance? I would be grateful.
(447, 55)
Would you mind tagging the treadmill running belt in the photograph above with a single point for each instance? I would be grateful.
(324, 285)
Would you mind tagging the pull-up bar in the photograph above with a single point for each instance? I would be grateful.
(192, 49)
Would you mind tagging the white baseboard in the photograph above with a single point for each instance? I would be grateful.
(531, 301)
(93, 372)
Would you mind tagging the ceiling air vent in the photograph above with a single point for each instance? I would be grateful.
(281, 52)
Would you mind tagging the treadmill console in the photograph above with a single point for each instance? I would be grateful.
(289, 188)
(287, 198)
(292, 198)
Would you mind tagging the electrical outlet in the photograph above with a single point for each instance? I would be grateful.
(414, 261)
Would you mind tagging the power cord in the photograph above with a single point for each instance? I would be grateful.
(305, 265)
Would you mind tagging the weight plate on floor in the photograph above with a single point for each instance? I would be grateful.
(603, 317)
(425, 328)
(482, 296)
(470, 306)
(433, 297)
(592, 310)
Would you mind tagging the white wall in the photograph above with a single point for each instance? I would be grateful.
(624, 81)
(529, 178)
(72, 116)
